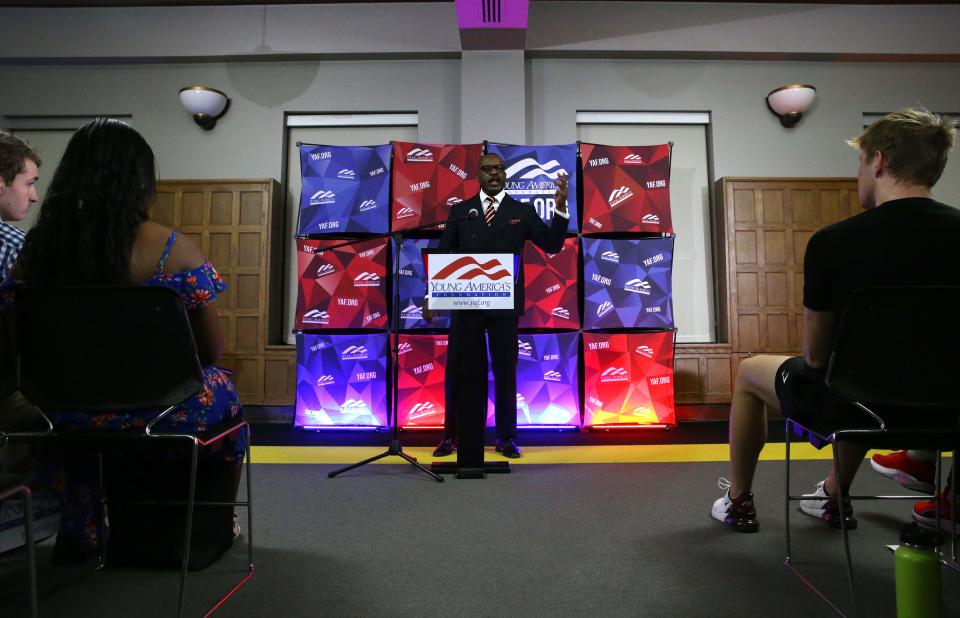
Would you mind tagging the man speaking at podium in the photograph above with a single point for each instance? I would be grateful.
(492, 221)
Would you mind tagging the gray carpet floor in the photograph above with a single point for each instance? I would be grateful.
(551, 540)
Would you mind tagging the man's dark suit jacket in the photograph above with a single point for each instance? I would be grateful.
(514, 223)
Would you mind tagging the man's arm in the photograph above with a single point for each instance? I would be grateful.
(818, 327)
(550, 239)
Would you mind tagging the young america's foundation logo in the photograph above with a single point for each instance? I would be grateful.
(651, 218)
(637, 286)
(347, 174)
(326, 380)
(353, 406)
(644, 350)
(404, 347)
(405, 212)
(324, 270)
(614, 374)
(453, 200)
(366, 279)
(528, 168)
(315, 316)
(411, 313)
(524, 348)
(421, 410)
(420, 155)
(367, 205)
(561, 312)
(633, 159)
(618, 196)
(604, 308)
(553, 376)
(354, 352)
(610, 256)
(323, 196)
(468, 267)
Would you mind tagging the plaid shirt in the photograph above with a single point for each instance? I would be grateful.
(11, 242)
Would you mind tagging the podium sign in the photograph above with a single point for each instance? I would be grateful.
(471, 281)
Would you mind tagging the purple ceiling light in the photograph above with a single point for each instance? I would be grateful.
(492, 24)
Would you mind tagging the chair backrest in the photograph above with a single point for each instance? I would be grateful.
(899, 346)
(99, 349)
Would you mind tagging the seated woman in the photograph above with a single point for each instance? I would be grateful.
(93, 230)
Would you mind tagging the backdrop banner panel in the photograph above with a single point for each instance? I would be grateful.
(532, 172)
(626, 189)
(421, 371)
(547, 382)
(413, 286)
(628, 379)
(430, 178)
(342, 288)
(345, 189)
(551, 287)
(341, 380)
(627, 283)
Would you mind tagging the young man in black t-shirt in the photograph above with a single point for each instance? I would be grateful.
(904, 237)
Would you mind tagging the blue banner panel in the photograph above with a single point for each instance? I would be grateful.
(627, 283)
(547, 387)
(413, 286)
(345, 189)
(532, 172)
(341, 380)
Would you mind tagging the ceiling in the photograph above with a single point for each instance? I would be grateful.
(132, 3)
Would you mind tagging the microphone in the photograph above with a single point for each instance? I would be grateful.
(473, 214)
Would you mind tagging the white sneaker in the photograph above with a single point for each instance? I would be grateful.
(820, 505)
(739, 514)
(236, 526)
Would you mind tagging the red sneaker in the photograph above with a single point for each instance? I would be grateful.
(910, 473)
(925, 513)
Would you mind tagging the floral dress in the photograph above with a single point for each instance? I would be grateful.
(75, 483)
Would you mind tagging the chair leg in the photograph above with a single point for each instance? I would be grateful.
(786, 498)
(843, 526)
(31, 551)
(191, 500)
(249, 503)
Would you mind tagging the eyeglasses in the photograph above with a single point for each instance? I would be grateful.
(489, 169)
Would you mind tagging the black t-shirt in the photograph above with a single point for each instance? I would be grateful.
(910, 241)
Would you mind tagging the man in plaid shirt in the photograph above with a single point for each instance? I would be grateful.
(18, 178)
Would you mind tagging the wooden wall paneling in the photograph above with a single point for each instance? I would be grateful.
(233, 222)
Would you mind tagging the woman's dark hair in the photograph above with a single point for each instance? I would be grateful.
(97, 199)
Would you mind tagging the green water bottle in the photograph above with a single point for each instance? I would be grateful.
(917, 567)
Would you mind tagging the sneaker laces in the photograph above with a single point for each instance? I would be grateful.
(723, 483)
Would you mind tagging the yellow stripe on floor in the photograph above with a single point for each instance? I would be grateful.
(628, 453)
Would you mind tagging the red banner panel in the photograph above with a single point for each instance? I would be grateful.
(628, 379)
(551, 287)
(626, 189)
(421, 370)
(430, 178)
(342, 288)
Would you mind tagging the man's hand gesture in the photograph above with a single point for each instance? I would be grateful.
(561, 195)
(427, 313)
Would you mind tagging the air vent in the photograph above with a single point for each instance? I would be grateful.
(491, 11)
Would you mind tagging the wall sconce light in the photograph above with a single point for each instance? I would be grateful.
(206, 105)
(791, 102)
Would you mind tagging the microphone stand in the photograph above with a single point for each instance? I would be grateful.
(395, 448)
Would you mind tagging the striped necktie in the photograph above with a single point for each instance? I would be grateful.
(491, 211)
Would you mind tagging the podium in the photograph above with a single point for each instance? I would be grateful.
(461, 283)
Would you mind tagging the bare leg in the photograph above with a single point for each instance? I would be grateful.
(755, 388)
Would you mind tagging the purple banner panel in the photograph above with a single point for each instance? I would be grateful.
(341, 380)
(547, 387)
(413, 286)
(532, 173)
(345, 189)
(627, 283)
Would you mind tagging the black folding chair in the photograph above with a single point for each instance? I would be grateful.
(10, 486)
(895, 354)
(113, 349)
